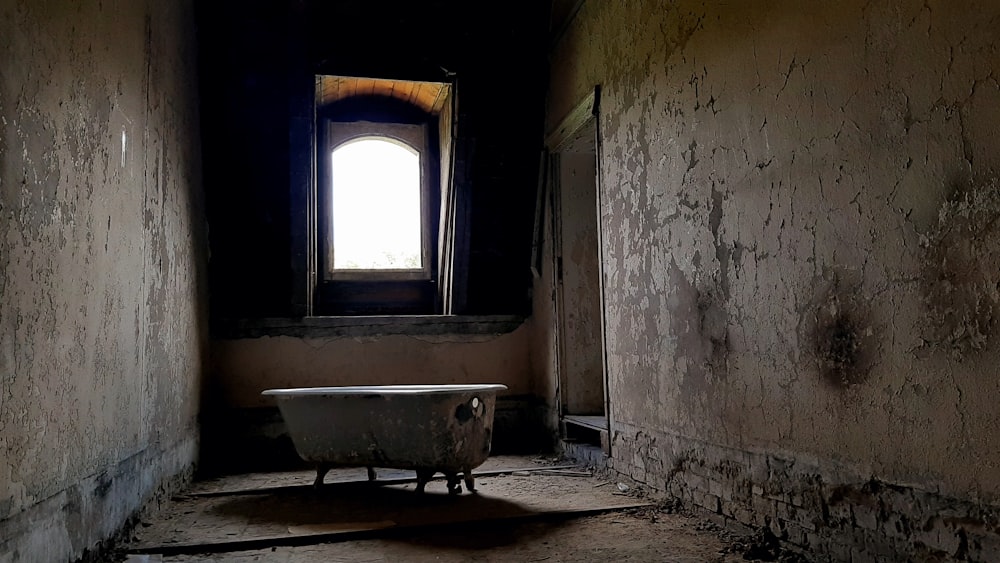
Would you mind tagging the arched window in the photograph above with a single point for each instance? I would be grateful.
(376, 206)
(384, 217)
(375, 202)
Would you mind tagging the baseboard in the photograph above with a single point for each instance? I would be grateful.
(79, 520)
(811, 505)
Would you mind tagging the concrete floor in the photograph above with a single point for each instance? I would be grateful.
(535, 514)
(632, 536)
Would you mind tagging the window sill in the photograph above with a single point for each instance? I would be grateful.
(366, 326)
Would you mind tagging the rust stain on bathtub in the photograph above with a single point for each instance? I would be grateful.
(426, 428)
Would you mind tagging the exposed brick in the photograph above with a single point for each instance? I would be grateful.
(860, 555)
(785, 511)
(776, 494)
(840, 552)
(882, 547)
(709, 502)
(839, 514)
(759, 469)
(865, 517)
(796, 534)
(715, 518)
(900, 501)
(831, 515)
(638, 461)
(816, 542)
(695, 482)
(741, 490)
(765, 506)
(718, 489)
(984, 546)
(746, 517)
(777, 527)
(699, 468)
(948, 539)
(802, 517)
(675, 489)
(778, 466)
(896, 526)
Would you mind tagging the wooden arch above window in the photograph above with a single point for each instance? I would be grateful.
(428, 96)
(421, 115)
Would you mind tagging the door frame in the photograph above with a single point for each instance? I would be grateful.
(585, 113)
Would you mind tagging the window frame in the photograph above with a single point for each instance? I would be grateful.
(374, 292)
(337, 133)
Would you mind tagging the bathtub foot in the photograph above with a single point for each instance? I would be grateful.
(423, 476)
(320, 474)
(371, 474)
(454, 483)
(470, 480)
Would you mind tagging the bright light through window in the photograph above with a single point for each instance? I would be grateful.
(376, 206)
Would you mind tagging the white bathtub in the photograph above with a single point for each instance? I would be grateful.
(427, 428)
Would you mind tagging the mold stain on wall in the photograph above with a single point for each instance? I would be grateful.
(845, 341)
(790, 274)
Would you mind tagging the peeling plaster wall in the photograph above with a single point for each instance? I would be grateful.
(101, 243)
(801, 260)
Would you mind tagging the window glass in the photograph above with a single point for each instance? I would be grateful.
(376, 206)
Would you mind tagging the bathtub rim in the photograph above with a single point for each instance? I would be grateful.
(356, 390)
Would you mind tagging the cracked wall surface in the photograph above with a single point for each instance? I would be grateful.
(102, 250)
(800, 251)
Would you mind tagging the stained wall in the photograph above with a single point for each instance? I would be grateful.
(102, 331)
(800, 255)
(243, 367)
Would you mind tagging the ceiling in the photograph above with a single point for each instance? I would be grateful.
(428, 96)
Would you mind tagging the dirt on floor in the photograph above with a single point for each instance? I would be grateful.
(625, 536)
(524, 510)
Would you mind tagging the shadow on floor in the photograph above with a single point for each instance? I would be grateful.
(254, 517)
(357, 503)
(434, 520)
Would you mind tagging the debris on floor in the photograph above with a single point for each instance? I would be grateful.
(563, 472)
(235, 518)
(523, 511)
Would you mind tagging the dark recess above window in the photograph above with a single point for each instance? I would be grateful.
(253, 54)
